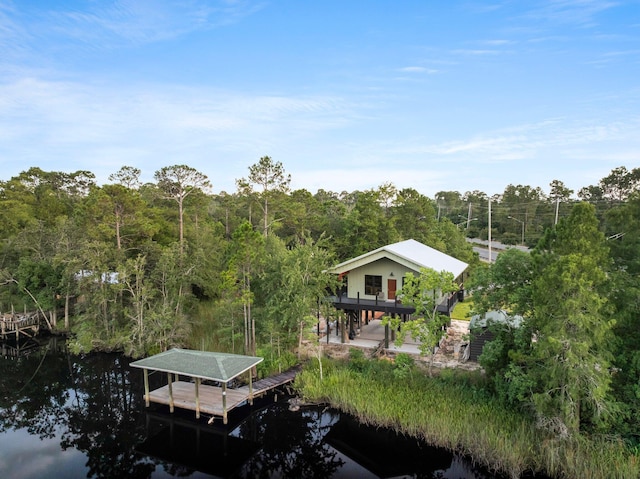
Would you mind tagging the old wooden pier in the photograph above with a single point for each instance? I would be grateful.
(16, 324)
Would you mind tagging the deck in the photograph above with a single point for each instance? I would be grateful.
(389, 306)
(215, 400)
(184, 397)
(27, 324)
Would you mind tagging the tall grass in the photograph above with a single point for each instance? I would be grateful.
(460, 416)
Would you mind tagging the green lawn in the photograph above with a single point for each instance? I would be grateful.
(462, 310)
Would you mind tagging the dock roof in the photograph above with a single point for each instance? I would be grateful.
(221, 367)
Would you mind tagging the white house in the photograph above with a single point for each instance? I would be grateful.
(379, 274)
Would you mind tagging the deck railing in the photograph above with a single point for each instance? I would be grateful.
(15, 323)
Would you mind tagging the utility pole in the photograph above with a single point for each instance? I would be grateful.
(469, 216)
(489, 230)
(557, 208)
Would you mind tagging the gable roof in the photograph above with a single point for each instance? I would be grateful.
(410, 253)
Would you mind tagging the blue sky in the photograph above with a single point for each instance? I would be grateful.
(347, 94)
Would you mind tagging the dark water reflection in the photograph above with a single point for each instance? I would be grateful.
(75, 417)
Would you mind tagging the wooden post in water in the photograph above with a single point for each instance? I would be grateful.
(170, 392)
(146, 387)
(224, 403)
(250, 388)
(197, 398)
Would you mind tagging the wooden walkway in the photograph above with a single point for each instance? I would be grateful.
(264, 385)
(215, 400)
(16, 324)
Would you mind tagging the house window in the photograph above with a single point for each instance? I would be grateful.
(372, 284)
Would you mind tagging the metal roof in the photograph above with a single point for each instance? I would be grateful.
(411, 253)
(222, 367)
(497, 316)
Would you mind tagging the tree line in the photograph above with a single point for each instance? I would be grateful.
(140, 267)
(522, 213)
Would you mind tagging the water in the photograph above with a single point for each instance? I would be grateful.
(64, 416)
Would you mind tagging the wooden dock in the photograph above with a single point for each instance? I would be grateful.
(27, 324)
(265, 385)
(215, 400)
(210, 397)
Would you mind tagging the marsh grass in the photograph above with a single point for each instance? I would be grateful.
(455, 412)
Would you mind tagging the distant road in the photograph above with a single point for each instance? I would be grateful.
(482, 248)
(483, 253)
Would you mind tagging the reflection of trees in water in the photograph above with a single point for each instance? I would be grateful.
(103, 420)
(89, 400)
(292, 445)
(94, 404)
(33, 388)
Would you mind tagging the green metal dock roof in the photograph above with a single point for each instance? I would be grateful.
(222, 367)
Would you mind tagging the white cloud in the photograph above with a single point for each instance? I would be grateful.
(417, 69)
(498, 42)
(578, 12)
(413, 69)
(476, 52)
(114, 23)
(67, 126)
(357, 178)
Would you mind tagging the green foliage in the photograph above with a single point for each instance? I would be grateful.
(404, 365)
(357, 361)
(293, 285)
(563, 376)
(423, 292)
(367, 224)
(227, 272)
(571, 356)
(505, 285)
(276, 360)
(271, 177)
(39, 282)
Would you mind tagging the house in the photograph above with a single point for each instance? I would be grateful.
(371, 281)
(379, 273)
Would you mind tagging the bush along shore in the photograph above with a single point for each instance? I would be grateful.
(454, 410)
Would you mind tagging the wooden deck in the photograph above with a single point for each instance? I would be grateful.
(184, 397)
(264, 385)
(215, 400)
(27, 324)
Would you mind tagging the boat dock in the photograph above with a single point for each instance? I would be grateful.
(200, 365)
(213, 399)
